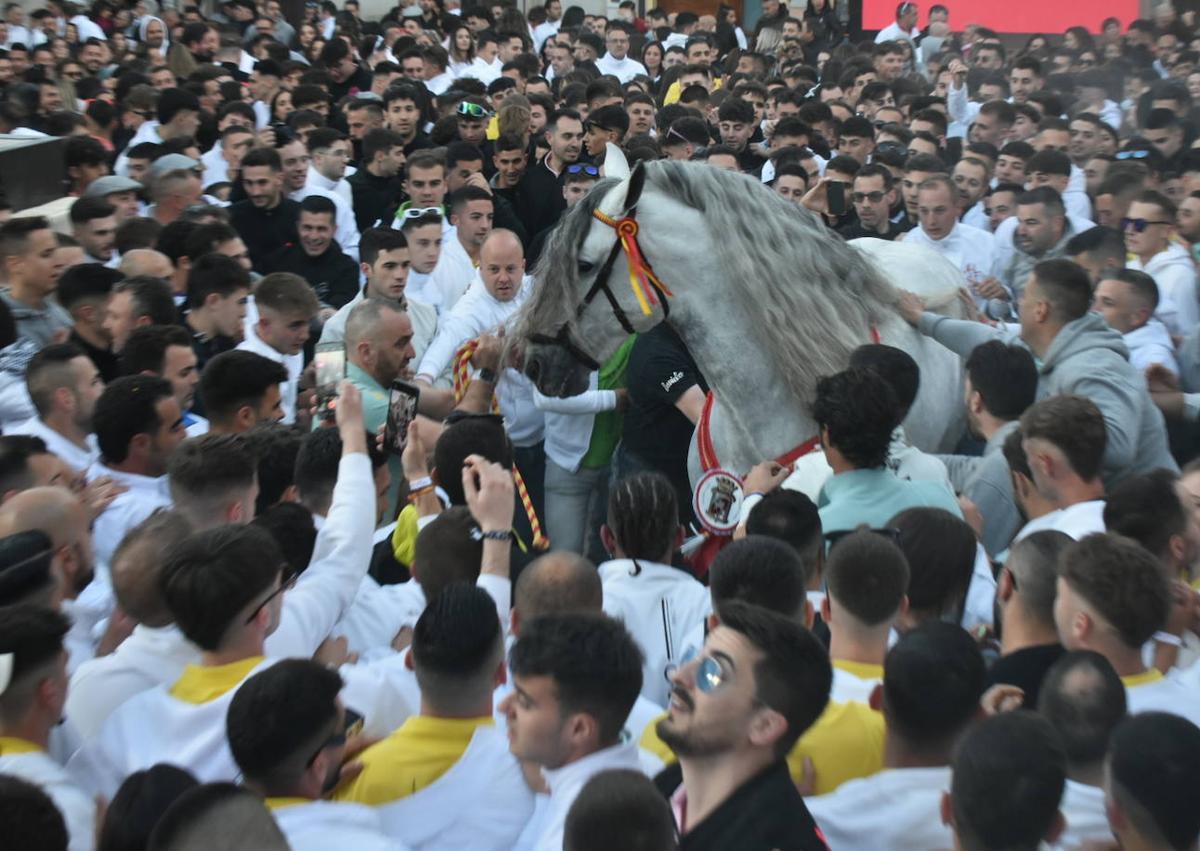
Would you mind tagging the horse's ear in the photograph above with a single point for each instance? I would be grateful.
(615, 164)
(637, 179)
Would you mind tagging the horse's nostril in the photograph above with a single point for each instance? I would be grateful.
(533, 369)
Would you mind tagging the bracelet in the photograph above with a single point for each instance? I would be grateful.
(1167, 638)
(413, 496)
(494, 535)
(420, 484)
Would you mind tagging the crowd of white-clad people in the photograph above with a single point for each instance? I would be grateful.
(247, 603)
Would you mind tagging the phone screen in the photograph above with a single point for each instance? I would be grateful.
(836, 196)
(402, 410)
(330, 361)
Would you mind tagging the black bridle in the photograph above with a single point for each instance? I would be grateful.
(562, 338)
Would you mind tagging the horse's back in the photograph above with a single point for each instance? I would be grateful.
(912, 267)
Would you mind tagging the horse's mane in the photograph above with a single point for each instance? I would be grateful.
(812, 295)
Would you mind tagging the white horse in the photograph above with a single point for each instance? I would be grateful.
(766, 300)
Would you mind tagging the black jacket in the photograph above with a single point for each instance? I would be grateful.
(265, 231)
(765, 814)
(374, 197)
(333, 275)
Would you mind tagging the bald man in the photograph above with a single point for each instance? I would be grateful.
(146, 261)
(559, 583)
(62, 517)
(488, 307)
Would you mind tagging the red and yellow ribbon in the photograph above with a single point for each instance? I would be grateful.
(642, 279)
(462, 377)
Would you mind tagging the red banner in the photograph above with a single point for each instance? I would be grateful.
(1012, 16)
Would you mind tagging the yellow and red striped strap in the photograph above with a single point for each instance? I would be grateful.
(462, 372)
(540, 541)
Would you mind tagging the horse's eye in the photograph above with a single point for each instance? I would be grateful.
(585, 267)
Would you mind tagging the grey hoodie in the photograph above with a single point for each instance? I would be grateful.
(1088, 359)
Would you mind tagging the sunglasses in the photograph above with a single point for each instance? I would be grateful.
(473, 110)
(1132, 155)
(1139, 225)
(288, 583)
(583, 168)
(422, 212)
(711, 675)
(874, 197)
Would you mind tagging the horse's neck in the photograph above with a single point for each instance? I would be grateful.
(756, 417)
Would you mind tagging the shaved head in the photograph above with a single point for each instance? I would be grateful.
(500, 241)
(60, 515)
(558, 583)
(146, 261)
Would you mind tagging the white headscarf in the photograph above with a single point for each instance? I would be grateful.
(144, 23)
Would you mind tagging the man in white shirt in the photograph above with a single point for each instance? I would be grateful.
(617, 61)
(1064, 440)
(287, 730)
(664, 607)
(1148, 228)
(225, 589)
(64, 386)
(575, 679)
(417, 787)
(1008, 779)
(138, 427)
(329, 153)
(904, 27)
(424, 229)
(1128, 300)
(33, 689)
(471, 214)
(1113, 596)
(866, 579)
(156, 652)
(932, 681)
(550, 26)
(286, 305)
(295, 158)
(971, 250)
(223, 161)
(1084, 700)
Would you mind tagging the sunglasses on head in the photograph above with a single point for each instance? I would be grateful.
(472, 110)
(583, 168)
(421, 212)
(1139, 225)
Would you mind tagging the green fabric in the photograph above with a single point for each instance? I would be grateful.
(606, 431)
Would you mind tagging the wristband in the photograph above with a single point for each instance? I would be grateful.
(494, 535)
(420, 484)
(1167, 638)
(487, 375)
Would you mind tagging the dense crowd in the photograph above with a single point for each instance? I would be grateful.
(294, 554)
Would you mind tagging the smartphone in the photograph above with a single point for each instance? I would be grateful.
(402, 410)
(835, 194)
(330, 360)
(353, 722)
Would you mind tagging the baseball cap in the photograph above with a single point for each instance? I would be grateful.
(102, 186)
(172, 162)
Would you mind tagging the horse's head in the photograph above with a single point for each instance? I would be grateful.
(583, 305)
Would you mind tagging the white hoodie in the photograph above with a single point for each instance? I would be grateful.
(1151, 344)
(1175, 274)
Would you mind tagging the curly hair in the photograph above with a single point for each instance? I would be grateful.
(860, 410)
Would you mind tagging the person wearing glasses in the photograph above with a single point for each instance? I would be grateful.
(933, 679)
(760, 682)
(329, 152)
(1149, 226)
(873, 195)
(227, 590)
(904, 27)
(617, 61)
(293, 761)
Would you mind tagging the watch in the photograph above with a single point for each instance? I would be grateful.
(493, 535)
(487, 375)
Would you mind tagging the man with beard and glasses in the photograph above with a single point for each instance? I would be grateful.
(287, 730)
(735, 712)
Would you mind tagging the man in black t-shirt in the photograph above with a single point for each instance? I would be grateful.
(666, 396)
